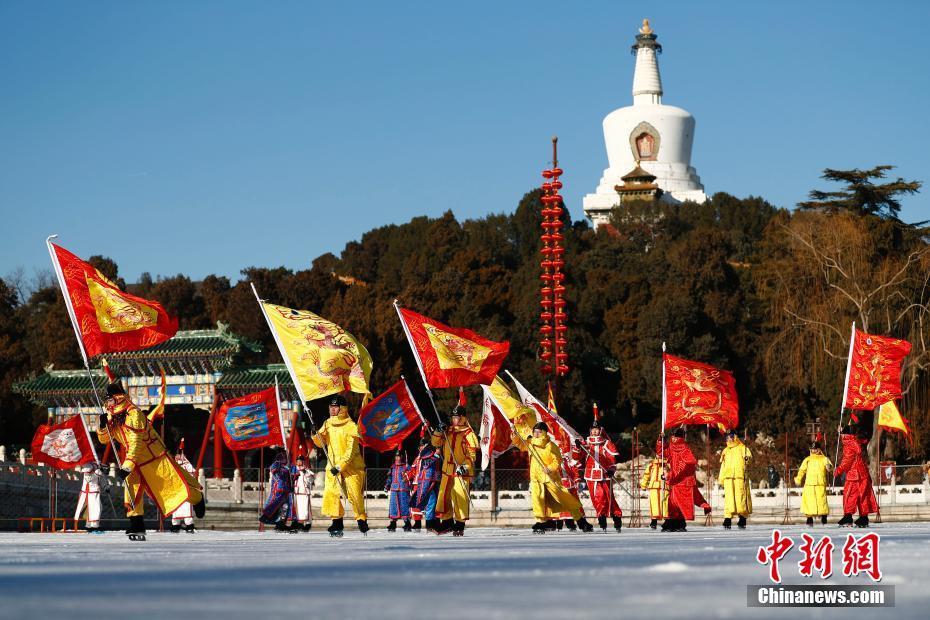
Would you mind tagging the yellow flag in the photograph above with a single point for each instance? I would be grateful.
(523, 417)
(890, 418)
(325, 358)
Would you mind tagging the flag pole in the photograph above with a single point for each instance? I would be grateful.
(293, 373)
(662, 434)
(277, 400)
(413, 400)
(852, 343)
(77, 334)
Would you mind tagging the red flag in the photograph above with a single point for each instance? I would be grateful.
(108, 319)
(874, 370)
(494, 436)
(698, 393)
(452, 356)
(385, 422)
(251, 421)
(63, 446)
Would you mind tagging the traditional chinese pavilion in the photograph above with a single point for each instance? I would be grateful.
(202, 368)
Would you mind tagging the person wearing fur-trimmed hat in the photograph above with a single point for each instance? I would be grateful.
(458, 445)
(734, 478)
(183, 516)
(398, 489)
(547, 495)
(600, 455)
(858, 493)
(345, 471)
(813, 473)
(424, 475)
(145, 465)
(652, 481)
(303, 485)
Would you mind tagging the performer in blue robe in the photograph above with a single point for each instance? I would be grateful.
(398, 487)
(429, 473)
(279, 507)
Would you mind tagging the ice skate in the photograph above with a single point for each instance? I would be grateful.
(175, 528)
(602, 523)
(136, 530)
(407, 526)
(584, 526)
(618, 524)
(335, 530)
(823, 519)
(392, 527)
(189, 528)
(727, 523)
(810, 521)
(846, 521)
(741, 523)
(654, 523)
(570, 525)
(458, 528)
(417, 526)
(363, 526)
(443, 527)
(862, 521)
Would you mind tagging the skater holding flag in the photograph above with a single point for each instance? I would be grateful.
(324, 360)
(600, 461)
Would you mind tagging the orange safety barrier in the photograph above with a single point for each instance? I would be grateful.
(46, 525)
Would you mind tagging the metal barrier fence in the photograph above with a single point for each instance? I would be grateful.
(37, 491)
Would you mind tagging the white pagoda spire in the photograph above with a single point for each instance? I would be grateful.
(647, 82)
(650, 135)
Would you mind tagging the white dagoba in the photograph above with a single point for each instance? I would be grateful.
(654, 136)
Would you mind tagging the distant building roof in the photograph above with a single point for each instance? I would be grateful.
(188, 352)
(240, 381)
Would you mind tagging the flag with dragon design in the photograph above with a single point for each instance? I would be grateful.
(874, 370)
(697, 393)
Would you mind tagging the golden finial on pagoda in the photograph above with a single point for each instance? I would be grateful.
(646, 29)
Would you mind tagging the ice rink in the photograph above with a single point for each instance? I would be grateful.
(489, 573)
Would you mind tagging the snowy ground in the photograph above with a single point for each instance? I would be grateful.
(490, 573)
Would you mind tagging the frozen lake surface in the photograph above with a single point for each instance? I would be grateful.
(489, 573)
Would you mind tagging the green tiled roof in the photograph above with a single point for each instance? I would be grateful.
(255, 377)
(70, 386)
(194, 343)
(243, 380)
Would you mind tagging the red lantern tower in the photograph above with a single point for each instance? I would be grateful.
(553, 331)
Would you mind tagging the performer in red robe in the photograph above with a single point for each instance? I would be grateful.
(599, 455)
(682, 482)
(858, 494)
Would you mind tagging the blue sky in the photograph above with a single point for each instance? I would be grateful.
(205, 137)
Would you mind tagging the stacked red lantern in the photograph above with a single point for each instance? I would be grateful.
(553, 330)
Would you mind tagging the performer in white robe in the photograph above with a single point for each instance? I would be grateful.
(302, 489)
(185, 513)
(89, 498)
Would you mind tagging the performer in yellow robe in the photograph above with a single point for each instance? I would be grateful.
(547, 494)
(345, 469)
(737, 497)
(813, 473)
(145, 465)
(658, 492)
(458, 445)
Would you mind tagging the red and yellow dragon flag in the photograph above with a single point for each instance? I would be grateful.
(874, 375)
(890, 419)
(451, 356)
(699, 393)
(106, 319)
